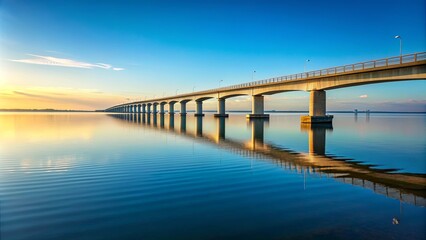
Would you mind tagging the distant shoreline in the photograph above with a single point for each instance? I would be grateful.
(210, 111)
(44, 110)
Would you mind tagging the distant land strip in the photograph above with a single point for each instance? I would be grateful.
(43, 110)
(212, 111)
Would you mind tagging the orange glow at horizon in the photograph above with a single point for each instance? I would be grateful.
(55, 98)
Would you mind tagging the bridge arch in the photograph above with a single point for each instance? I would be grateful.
(231, 95)
(200, 99)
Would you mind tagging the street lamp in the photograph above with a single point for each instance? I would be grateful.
(306, 63)
(252, 75)
(193, 89)
(176, 91)
(220, 82)
(400, 44)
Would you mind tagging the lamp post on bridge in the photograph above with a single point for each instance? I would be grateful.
(176, 91)
(252, 75)
(400, 46)
(220, 82)
(306, 63)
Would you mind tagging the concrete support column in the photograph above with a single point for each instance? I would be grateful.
(257, 108)
(171, 108)
(143, 108)
(317, 108)
(135, 108)
(154, 108)
(317, 103)
(221, 108)
(162, 108)
(148, 110)
(139, 108)
(199, 112)
(182, 108)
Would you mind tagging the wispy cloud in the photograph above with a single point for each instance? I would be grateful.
(64, 62)
(363, 96)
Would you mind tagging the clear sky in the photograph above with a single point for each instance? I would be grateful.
(94, 54)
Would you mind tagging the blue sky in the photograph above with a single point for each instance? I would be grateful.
(123, 50)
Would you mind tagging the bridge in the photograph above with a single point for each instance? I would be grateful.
(405, 187)
(400, 68)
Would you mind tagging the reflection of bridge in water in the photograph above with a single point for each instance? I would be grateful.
(409, 188)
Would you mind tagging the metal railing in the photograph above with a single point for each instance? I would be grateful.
(385, 62)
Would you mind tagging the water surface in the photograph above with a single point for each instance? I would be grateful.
(130, 176)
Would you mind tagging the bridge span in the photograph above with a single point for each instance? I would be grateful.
(400, 68)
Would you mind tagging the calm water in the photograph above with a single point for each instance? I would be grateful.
(99, 176)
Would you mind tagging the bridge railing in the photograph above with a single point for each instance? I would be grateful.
(415, 57)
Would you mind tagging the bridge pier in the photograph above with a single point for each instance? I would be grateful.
(135, 108)
(221, 108)
(317, 109)
(148, 110)
(257, 107)
(182, 108)
(162, 108)
(143, 108)
(171, 108)
(154, 108)
(199, 112)
(139, 108)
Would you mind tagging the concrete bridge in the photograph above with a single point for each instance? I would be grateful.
(400, 68)
(405, 187)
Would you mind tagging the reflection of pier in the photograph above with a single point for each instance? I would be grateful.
(408, 188)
